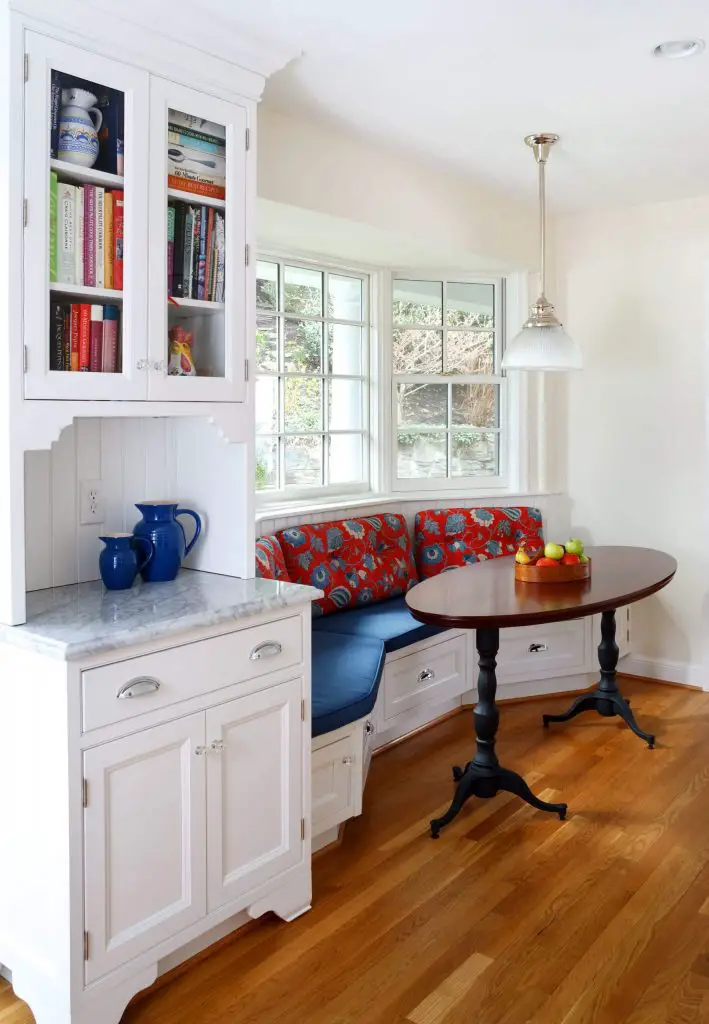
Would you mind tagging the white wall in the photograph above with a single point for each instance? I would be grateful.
(634, 293)
(303, 164)
(134, 459)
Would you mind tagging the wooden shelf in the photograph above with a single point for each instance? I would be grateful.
(193, 307)
(195, 199)
(85, 175)
(85, 292)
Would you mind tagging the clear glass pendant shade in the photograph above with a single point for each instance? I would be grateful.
(542, 348)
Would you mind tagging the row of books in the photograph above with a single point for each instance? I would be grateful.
(195, 252)
(83, 337)
(196, 155)
(85, 235)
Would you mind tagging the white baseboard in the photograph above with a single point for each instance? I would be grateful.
(186, 952)
(679, 672)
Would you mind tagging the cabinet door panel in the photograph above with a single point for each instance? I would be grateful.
(65, 263)
(254, 790)
(145, 871)
(198, 273)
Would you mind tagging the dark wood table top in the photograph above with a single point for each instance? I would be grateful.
(488, 595)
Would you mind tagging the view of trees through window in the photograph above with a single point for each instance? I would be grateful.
(312, 358)
(445, 356)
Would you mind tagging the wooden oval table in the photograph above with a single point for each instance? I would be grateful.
(486, 597)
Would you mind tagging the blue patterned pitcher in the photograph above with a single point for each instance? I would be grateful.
(161, 526)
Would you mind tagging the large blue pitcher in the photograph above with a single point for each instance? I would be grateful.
(163, 529)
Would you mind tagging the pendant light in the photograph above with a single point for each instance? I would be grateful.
(542, 344)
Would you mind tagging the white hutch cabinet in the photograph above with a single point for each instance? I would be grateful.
(154, 744)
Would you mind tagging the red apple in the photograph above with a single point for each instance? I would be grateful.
(546, 562)
(570, 559)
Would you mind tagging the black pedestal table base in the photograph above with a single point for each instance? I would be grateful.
(484, 776)
(606, 699)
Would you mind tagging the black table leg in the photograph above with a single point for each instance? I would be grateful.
(484, 776)
(606, 699)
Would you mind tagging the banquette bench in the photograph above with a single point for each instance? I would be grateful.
(363, 630)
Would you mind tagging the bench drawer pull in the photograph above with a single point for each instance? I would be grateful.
(536, 648)
(138, 687)
(267, 649)
(424, 674)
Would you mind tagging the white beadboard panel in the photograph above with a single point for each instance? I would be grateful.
(135, 459)
(210, 478)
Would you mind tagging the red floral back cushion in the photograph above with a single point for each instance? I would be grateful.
(355, 561)
(270, 564)
(449, 537)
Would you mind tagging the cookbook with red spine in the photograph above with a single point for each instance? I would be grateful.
(84, 336)
(74, 348)
(109, 362)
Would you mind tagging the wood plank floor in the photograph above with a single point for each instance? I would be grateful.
(511, 917)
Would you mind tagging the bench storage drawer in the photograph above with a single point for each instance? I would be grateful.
(427, 676)
(541, 652)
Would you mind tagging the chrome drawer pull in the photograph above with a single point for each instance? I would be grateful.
(368, 728)
(536, 648)
(138, 687)
(267, 649)
(426, 673)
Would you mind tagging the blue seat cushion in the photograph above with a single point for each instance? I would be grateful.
(390, 621)
(346, 673)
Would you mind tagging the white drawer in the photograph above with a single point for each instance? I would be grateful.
(114, 693)
(333, 775)
(424, 677)
(540, 652)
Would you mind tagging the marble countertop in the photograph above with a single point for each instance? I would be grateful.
(85, 619)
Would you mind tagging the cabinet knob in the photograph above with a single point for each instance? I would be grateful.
(217, 746)
(424, 674)
(159, 365)
(201, 750)
(267, 649)
(142, 364)
(536, 648)
(348, 760)
(138, 687)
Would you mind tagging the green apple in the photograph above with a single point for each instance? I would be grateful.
(574, 546)
(584, 559)
(554, 551)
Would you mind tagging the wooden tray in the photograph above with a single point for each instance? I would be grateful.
(552, 573)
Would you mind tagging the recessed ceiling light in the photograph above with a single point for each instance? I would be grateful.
(676, 48)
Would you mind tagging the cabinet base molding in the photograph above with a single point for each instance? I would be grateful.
(51, 1005)
(287, 902)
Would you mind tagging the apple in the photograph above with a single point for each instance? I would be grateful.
(554, 551)
(574, 546)
(545, 562)
(570, 559)
(584, 559)
(522, 557)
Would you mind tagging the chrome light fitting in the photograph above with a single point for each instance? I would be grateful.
(542, 344)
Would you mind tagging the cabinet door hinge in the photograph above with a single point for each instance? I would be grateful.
(248, 138)
(302, 829)
(25, 212)
(86, 945)
(246, 254)
(84, 792)
(27, 67)
(24, 358)
(302, 710)
(246, 369)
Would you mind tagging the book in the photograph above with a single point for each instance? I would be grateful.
(96, 339)
(178, 269)
(55, 97)
(66, 360)
(194, 270)
(90, 236)
(202, 252)
(109, 362)
(84, 336)
(56, 336)
(187, 251)
(191, 123)
(118, 240)
(66, 199)
(98, 243)
(53, 196)
(108, 240)
(170, 247)
(219, 291)
(208, 250)
(197, 184)
(178, 136)
(111, 103)
(74, 347)
(79, 236)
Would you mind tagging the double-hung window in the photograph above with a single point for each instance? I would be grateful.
(448, 390)
(312, 394)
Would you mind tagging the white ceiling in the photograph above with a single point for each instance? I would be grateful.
(460, 82)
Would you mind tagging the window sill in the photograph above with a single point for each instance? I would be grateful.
(364, 501)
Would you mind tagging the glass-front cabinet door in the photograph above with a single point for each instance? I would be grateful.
(198, 273)
(86, 237)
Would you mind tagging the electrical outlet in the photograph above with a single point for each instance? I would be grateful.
(92, 505)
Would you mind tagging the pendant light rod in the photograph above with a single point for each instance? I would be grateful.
(541, 145)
